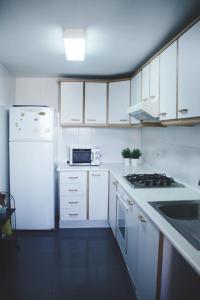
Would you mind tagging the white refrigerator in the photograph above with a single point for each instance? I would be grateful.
(31, 151)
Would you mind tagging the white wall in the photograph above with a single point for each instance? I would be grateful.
(7, 98)
(179, 149)
(7, 87)
(45, 91)
(110, 140)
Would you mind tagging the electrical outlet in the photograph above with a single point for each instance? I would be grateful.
(157, 155)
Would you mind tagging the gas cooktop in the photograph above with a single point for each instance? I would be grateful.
(152, 181)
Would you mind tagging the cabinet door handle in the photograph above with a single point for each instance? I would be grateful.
(73, 190)
(91, 120)
(130, 202)
(73, 202)
(75, 120)
(73, 214)
(73, 177)
(152, 97)
(123, 120)
(183, 111)
(145, 99)
(141, 218)
(163, 114)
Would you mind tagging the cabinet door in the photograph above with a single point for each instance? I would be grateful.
(98, 195)
(136, 92)
(132, 244)
(168, 82)
(95, 103)
(119, 101)
(145, 85)
(147, 258)
(154, 86)
(71, 102)
(189, 73)
(112, 204)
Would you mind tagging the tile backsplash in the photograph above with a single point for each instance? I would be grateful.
(110, 140)
(174, 151)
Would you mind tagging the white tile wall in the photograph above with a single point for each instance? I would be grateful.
(110, 140)
(174, 150)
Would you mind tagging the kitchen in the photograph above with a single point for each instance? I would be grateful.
(89, 222)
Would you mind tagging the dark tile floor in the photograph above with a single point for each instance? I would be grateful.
(68, 264)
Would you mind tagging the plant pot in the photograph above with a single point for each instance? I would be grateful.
(134, 162)
(126, 162)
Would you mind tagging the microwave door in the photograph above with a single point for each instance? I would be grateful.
(81, 157)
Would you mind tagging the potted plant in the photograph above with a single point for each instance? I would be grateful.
(135, 155)
(126, 154)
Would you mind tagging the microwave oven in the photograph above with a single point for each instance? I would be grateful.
(86, 156)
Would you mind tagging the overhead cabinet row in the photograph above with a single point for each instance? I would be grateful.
(87, 103)
(168, 88)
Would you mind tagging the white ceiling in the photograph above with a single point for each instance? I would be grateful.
(121, 34)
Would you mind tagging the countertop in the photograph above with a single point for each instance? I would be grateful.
(142, 196)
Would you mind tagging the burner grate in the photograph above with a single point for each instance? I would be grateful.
(150, 180)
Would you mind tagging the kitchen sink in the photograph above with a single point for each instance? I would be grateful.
(184, 216)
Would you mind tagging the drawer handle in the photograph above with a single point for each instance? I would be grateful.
(145, 99)
(130, 202)
(91, 120)
(152, 97)
(75, 120)
(73, 214)
(96, 175)
(163, 114)
(73, 177)
(141, 218)
(123, 120)
(73, 190)
(73, 202)
(183, 111)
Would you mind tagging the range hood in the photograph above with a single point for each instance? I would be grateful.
(142, 112)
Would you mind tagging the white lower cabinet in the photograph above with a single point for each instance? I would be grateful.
(73, 195)
(98, 195)
(112, 204)
(142, 253)
(82, 199)
(147, 258)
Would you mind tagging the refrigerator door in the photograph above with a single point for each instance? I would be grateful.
(32, 184)
(31, 124)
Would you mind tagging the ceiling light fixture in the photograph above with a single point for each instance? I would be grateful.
(74, 42)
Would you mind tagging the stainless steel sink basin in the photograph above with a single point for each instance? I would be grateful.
(184, 216)
(182, 211)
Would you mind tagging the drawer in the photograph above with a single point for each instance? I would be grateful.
(73, 201)
(73, 177)
(73, 214)
(77, 189)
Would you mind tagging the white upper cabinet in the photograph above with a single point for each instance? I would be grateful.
(95, 103)
(189, 73)
(168, 82)
(71, 102)
(145, 84)
(98, 195)
(136, 92)
(154, 86)
(119, 101)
